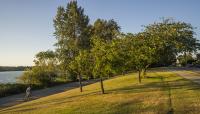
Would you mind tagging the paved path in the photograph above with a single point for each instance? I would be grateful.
(17, 99)
(193, 76)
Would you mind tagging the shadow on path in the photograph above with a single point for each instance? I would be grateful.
(19, 98)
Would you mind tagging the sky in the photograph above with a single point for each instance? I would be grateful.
(26, 26)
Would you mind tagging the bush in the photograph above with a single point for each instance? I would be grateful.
(196, 63)
(10, 89)
(185, 59)
(38, 76)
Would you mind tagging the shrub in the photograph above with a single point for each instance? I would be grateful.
(38, 76)
(10, 89)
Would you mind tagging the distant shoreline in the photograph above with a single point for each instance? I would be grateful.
(11, 70)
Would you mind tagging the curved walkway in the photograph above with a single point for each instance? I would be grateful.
(17, 99)
(192, 74)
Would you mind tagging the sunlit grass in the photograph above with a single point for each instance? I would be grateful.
(160, 92)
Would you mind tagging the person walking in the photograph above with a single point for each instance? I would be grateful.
(28, 93)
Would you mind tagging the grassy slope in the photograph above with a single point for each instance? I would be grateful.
(157, 94)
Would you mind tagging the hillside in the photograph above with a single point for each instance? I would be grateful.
(161, 92)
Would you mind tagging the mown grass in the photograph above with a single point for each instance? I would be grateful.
(160, 92)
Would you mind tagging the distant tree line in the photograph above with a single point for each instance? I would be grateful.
(100, 50)
(13, 68)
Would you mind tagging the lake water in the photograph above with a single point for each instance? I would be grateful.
(9, 76)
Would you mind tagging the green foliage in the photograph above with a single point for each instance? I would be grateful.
(101, 50)
(136, 52)
(39, 76)
(72, 31)
(198, 56)
(10, 89)
(142, 53)
(72, 27)
(15, 88)
(185, 59)
(82, 64)
(46, 58)
(45, 71)
(170, 38)
(101, 57)
(105, 30)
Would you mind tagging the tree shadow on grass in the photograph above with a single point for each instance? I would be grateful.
(162, 85)
(125, 107)
(54, 102)
(146, 87)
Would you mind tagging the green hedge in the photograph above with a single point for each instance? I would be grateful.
(11, 89)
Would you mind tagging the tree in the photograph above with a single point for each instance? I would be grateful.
(82, 66)
(121, 56)
(172, 38)
(140, 53)
(102, 64)
(106, 30)
(44, 72)
(46, 59)
(27, 77)
(197, 60)
(198, 56)
(72, 31)
(184, 59)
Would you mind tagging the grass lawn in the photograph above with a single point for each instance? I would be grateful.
(161, 92)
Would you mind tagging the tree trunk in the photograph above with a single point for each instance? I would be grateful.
(108, 76)
(145, 70)
(185, 56)
(80, 83)
(144, 73)
(88, 78)
(139, 76)
(102, 87)
(123, 72)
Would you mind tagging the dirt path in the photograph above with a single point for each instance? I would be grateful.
(17, 99)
